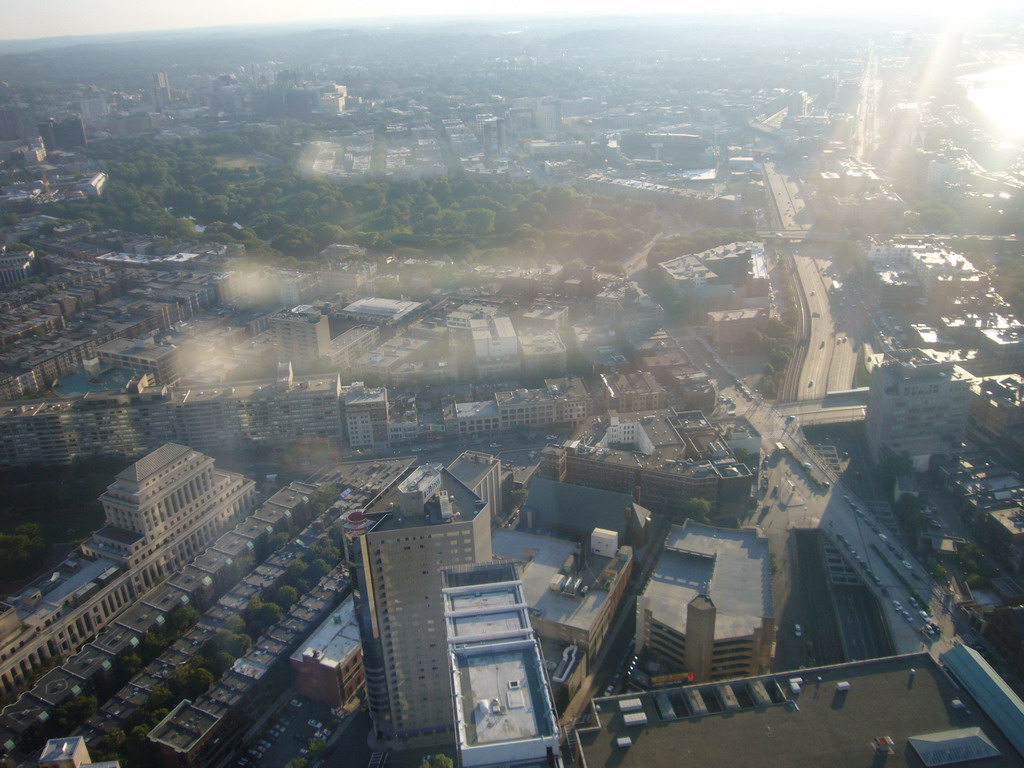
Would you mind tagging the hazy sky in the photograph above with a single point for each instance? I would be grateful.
(49, 18)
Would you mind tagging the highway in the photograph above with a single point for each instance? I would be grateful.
(865, 132)
(789, 209)
(808, 492)
(800, 502)
(831, 360)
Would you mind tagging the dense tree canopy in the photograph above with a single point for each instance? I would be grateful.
(184, 189)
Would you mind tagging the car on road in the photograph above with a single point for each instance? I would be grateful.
(798, 630)
(907, 565)
(551, 437)
(495, 445)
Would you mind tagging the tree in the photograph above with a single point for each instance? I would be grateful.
(743, 456)
(180, 619)
(260, 615)
(480, 221)
(437, 761)
(191, 680)
(696, 509)
(286, 596)
(389, 288)
(21, 551)
(68, 715)
(907, 510)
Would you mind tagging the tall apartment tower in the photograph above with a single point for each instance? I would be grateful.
(429, 522)
(161, 90)
(301, 335)
(917, 404)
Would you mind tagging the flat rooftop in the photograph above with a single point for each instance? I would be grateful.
(335, 638)
(901, 697)
(492, 709)
(497, 671)
(730, 566)
(543, 558)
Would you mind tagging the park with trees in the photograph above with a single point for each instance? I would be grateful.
(278, 211)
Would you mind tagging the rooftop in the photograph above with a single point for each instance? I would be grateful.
(498, 676)
(387, 308)
(568, 506)
(903, 698)
(544, 558)
(334, 639)
(153, 462)
(730, 566)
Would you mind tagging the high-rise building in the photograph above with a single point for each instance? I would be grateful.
(93, 109)
(917, 405)
(161, 90)
(63, 134)
(16, 123)
(301, 335)
(429, 522)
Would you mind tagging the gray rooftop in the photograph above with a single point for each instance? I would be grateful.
(543, 557)
(570, 507)
(900, 697)
(730, 566)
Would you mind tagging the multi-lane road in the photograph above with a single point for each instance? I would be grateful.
(834, 334)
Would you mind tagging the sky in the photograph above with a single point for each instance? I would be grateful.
(29, 19)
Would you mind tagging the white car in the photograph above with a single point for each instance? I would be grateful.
(797, 630)
(495, 445)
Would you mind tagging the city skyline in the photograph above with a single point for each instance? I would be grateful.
(53, 18)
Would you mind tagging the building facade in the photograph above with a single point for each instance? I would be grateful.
(274, 412)
(301, 335)
(161, 512)
(707, 610)
(329, 664)
(430, 522)
(918, 404)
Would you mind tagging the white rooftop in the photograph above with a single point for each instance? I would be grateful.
(335, 638)
(382, 307)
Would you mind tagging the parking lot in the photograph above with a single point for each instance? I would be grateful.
(299, 728)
